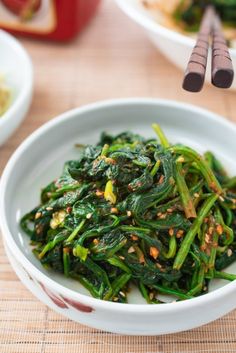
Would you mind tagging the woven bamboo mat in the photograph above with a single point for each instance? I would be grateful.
(112, 58)
(28, 326)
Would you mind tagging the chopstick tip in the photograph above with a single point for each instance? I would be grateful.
(193, 82)
(223, 78)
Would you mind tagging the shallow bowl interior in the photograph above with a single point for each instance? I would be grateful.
(16, 69)
(41, 157)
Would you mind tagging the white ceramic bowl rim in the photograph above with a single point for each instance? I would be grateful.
(8, 238)
(155, 27)
(26, 87)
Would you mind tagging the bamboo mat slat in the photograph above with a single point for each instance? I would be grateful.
(112, 58)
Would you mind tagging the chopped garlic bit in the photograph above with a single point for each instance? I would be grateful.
(109, 194)
(57, 219)
(180, 159)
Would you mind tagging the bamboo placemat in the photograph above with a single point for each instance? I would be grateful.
(112, 58)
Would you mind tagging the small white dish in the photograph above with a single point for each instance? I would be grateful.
(176, 46)
(16, 68)
(40, 158)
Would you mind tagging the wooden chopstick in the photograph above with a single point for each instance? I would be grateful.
(196, 69)
(222, 68)
(222, 72)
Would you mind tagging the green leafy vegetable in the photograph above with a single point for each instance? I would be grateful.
(138, 211)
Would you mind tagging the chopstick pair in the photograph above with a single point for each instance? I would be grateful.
(222, 72)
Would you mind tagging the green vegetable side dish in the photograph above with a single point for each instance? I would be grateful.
(186, 15)
(189, 13)
(135, 211)
(5, 96)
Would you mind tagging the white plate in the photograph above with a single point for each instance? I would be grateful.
(176, 46)
(40, 159)
(16, 67)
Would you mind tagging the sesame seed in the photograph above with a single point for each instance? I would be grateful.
(180, 233)
(207, 238)
(89, 215)
(122, 294)
(151, 295)
(129, 213)
(121, 257)
(210, 230)
(38, 215)
(229, 252)
(49, 208)
(196, 195)
(131, 250)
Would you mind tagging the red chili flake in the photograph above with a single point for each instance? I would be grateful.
(219, 229)
(99, 193)
(154, 252)
(160, 181)
(141, 259)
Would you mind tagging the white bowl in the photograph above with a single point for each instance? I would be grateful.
(16, 67)
(40, 158)
(176, 46)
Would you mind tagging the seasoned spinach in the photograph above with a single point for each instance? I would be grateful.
(137, 211)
